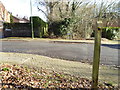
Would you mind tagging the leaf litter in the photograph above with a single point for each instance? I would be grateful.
(21, 77)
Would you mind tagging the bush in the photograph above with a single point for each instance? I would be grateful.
(110, 33)
(56, 29)
(39, 26)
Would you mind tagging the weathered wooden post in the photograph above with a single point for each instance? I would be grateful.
(96, 58)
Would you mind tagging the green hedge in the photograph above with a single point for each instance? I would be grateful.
(39, 26)
(109, 32)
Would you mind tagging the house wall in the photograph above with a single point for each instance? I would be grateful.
(4, 17)
(4, 14)
(7, 16)
(2, 9)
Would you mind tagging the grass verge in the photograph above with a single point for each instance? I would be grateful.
(84, 70)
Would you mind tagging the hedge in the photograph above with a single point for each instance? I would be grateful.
(109, 32)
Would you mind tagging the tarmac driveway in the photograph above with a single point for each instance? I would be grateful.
(70, 51)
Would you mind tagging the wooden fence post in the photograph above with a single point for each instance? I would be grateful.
(96, 58)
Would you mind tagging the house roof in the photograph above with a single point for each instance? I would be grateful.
(16, 17)
(25, 19)
(21, 19)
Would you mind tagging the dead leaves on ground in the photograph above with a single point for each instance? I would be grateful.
(15, 76)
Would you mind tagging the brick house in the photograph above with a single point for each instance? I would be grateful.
(4, 17)
(4, 14)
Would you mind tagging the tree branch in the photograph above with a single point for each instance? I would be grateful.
(43, 12)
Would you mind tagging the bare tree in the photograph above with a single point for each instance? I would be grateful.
(77, 15)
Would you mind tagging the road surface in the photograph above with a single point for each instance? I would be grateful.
(69, 51)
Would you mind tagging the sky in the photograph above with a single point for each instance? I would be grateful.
(22, 7)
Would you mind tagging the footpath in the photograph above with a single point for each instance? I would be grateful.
(89, 41)
(84, 70)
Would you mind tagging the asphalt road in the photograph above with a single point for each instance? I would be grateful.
(69, 51)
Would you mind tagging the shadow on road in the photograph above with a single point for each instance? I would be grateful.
(114, 46)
